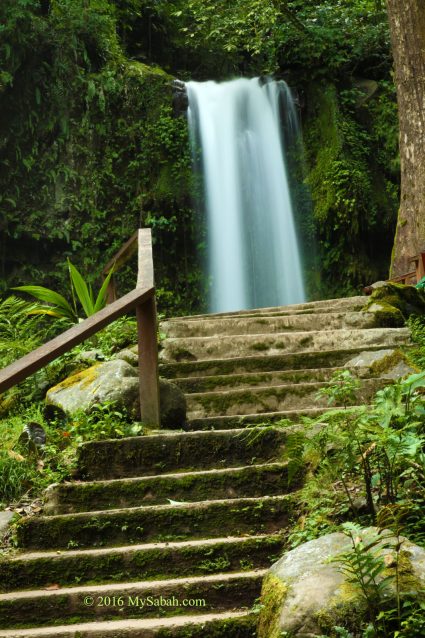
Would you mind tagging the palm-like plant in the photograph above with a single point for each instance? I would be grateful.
(57, 306)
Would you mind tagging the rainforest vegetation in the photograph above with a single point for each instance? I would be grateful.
(91, 148)
(93, 145)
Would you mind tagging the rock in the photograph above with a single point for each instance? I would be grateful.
(385, 315)
(173, 405)
(389, 363)
(91, 356)
(306, 595)
(129, 356)
(113, 381)
(408, 300)
(5, 519)
(180, 98)
(116, 382)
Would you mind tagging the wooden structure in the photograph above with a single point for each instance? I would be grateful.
(413, 277)
(141, 300)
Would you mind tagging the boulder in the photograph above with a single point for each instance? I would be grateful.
(306, 595)
(172, 405)
(116, 382)
(388, 363)
(5, 520)
(129, 356)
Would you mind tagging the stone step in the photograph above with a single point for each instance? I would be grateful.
(236, 624)
(239, 421)
(251, 480)
(152, 561)
(230, 346)
(195, 595)
(264, 324)
(191, 385)
(175, 451)
(156, 523)
(269, 399)
(262, 363)
(323, 305)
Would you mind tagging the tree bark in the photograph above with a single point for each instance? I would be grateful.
(407, 24)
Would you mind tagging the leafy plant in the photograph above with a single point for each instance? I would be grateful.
(341, 389)
(59, 307)
(104, 421)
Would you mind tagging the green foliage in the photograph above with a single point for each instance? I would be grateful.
(351, 141)
(361, 460)
(364, 567)
(59, 307)
(20, 330)
(342, 389)
(416, 324)
(23, 472)
(104, 421)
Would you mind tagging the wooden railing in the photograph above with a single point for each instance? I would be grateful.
(414, 276)
(141, 299)
(409, 278)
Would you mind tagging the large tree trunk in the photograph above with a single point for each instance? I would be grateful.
(407, 23)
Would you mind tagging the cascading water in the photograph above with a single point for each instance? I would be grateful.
(253, 255)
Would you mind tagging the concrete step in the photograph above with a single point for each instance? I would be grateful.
(191, 385)
(152, 561)
(269, 399)
(324, 305)
(265, 324)
(230, 346)
(156, 523)
(251, 480)
(175, 451)
(239, 421)
(152, 599)
(236, 624)
(263, 363)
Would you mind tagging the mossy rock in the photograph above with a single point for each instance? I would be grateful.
(305, 594)
(394, 303)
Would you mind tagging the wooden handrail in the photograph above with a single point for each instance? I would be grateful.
(141, 299)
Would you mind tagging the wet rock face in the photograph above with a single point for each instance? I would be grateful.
(117, 382)
(180, 98)
(305, 594)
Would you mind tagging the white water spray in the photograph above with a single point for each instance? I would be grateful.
(253, 255)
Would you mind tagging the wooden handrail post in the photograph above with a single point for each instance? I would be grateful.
(147, 338)
(148, 363)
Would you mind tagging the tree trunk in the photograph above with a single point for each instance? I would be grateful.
(407, 24)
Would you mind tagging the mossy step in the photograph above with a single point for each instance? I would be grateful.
(230, 346)
(176, 451)
(153, 561)
(251, 480)
(210, 519)
(191, 385)
(152, 599)
(239, 421)
(262, 363)
(269, 399)
(322, 305)
(236, 624)
(265, 324)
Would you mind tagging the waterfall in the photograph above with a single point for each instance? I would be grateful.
(253, 255)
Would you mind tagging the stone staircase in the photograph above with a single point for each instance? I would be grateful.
(169, 535)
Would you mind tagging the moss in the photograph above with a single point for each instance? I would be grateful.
(84, 378)
(252, 481)
(67, 608)
(385, 314)
(148, 524)
(132, 457)
(273, 596)
(407, 300)
(231, 628)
